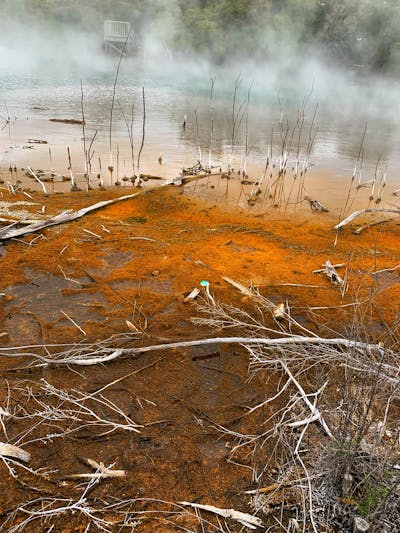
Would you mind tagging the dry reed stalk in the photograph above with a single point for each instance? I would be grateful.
(39, 181)
(210, 112)
(353, 177)
(110, 166)
(236, 119)
(246, 129)
(129, 127)
(85, 154)
(197, 136)
(73, 182)
(138, 179)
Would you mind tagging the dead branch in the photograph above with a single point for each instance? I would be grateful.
(323, 270)
(101, 471)
(192, 295)
(278, 485)
(332, 274)
(244, 290)
(364, 212)
(247, 520)
(9, 450)
(39, 181)
(315, 205)
(316, 414)
(385, 270)
(73, 322)
(61, 412)
(68, 216)
(370, 225)
(97, 355)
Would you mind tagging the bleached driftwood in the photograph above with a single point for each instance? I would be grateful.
(370, 225)
(9, 450)
(315, 205)
(247, 520)
(73, 322)
(315, 413)
(132, 326)
(65, 216)
(279, 485)
(364, 212)
(347, 485)
(323, 270)
(244, 290)
(39, 181)
(94, 356)
(68, 216)
(192, 295)
(392, 269)
(13, 223)
(279, 311)
(332, 274)
(102, 471)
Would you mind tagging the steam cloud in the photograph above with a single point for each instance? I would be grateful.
(62, 41)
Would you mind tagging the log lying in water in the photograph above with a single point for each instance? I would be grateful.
(67, 120)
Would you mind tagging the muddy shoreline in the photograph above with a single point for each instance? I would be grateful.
(133, 263)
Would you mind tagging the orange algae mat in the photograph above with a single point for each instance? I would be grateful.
(150, 251)
(135, 261)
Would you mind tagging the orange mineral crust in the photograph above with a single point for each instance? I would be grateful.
(125, 270)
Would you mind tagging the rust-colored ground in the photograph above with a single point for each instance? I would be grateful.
(154, 250)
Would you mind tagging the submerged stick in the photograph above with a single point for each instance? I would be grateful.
(73, 322)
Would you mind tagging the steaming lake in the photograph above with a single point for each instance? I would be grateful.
(343, 109)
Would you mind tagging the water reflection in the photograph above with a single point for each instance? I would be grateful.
(342, 113)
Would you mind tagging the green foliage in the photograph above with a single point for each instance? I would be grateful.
(356, 32)
(372, 499)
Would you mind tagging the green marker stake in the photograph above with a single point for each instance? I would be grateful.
(206, 285)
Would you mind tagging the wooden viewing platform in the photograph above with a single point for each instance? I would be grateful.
(118, 37)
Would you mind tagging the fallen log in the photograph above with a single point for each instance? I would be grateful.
(70, 216)
(37, 141)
